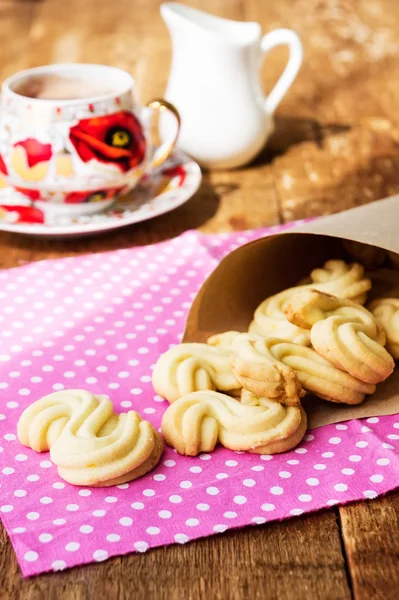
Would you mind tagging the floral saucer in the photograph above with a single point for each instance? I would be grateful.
(163, 190)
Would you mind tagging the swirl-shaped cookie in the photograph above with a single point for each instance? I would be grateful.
(336, 277)
(89, 443)
(344, 333)
(386, 311)
(197, 422)
(314, 373)
(257, 369)
(187, 368)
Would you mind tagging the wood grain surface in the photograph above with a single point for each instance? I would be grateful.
(335, 145)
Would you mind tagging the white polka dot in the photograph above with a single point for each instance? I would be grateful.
(19, 530)
(296, 511)
(186, 484)
(126, 521)
(84, 492)
(169, 463)
(6, 508)
(340, 487)
(300, 450)
(195, 469)
(12, 404)
(257, 468)
(341, 427)
(21, 457)
(46, 500)
(348, 471)
(69, 374)
(373, 420)
(276, 490)
(192, 522)
(99, 513)
(100, 555)
(231, 463)
(58, 485)
(164, 514)
(205, 456)
(355, 458)
(335, 440)
(148, 493)
(268, 507)
(383, 462)
(159, 477)
(212, 490)
(319, 467)
(240, 499)
(312, 481)
(203, 506)
(332, 502)
(393, 436)
(230, 514)
(126, 404)
(370, 494)
(86, 529)
(31, 556)
(219, 528)
(111, 499)
(388, 446)
(20, 493)
(222, 476)
(10, 437)
(153, 530)
(59, 521)
(285, 474)
(8, 471)
(305, 498)
(45, 537)
(175, 499)
(32, 516)
(181, 538)
(362, 444)
(137, 505)
(59, 565)
(376, 478)
(72, 546)
(72, 507)
(113, 537)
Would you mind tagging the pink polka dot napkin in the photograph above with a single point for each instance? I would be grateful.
(100, 322)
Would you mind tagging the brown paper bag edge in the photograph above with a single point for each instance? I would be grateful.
(373, 224)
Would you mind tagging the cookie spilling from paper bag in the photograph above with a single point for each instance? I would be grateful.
(308, 319)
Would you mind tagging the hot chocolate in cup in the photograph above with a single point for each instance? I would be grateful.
(73, 137)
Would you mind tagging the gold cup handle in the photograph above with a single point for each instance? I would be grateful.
(164, 150)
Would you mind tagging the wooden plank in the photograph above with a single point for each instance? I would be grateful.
(370, 532)
(277, 561)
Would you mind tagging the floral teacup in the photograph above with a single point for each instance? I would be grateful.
(73, 138)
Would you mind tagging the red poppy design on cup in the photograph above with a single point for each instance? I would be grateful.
(116, 139)
(31, 194)
(21, 214)
(36, 152)
(3, 168)
(93, 196)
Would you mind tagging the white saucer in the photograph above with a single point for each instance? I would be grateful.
(164, 190)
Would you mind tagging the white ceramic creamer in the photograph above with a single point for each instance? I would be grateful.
(214, 83)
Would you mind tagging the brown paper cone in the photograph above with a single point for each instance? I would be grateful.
(248, 275)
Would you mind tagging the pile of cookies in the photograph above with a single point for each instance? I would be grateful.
(240, 390)
(244, 390)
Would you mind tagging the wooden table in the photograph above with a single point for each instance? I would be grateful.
(335, 146)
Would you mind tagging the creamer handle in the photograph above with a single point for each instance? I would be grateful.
(280, 37)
